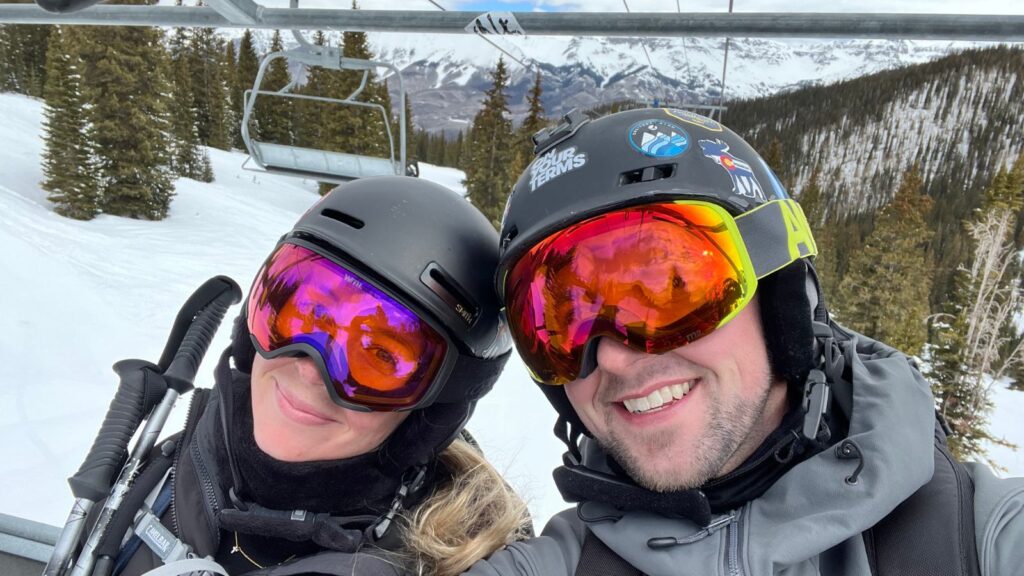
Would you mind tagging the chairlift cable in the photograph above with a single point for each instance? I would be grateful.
(725, 63)
(643, 43)
(686, 57)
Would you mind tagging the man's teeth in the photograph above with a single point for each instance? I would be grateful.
(658, 398)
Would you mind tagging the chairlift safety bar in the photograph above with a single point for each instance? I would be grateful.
(248, 14)
(323, 165)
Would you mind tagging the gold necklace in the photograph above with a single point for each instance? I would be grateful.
(238, 548)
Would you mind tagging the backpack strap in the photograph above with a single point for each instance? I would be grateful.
(153, 484)
(188, 566)
(932, 532)
(597, 559)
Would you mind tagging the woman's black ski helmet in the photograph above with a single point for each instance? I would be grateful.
(432, 247)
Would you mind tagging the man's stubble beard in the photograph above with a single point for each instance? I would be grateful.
(728, 426)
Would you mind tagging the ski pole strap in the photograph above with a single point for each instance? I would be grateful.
(204, 566)
(160, 505)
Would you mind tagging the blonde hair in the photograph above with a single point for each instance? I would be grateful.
(466, 518)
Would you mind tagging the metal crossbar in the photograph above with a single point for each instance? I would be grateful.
(246, 14)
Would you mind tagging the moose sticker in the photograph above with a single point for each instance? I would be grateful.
(744, 182)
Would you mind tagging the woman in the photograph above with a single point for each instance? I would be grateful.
(366, 340)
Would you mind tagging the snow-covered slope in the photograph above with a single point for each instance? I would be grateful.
(78, 296)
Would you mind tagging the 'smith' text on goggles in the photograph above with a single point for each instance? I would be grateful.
(653, 277)
(374, 352)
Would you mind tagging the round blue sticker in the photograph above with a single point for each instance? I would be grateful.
(658, 138)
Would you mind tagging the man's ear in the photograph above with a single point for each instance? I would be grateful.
(786, 322)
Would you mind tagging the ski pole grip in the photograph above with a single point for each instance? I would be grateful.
(140, 389)
(182, 370)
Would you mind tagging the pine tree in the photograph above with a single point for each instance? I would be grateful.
(187, 158)
(533, 122)
(813, 204)
(361, 130)
(274, 113)
(125, 84)
(488, 170)
(452, 151)
(311, 114)
(230, 71)
(971, 342)
(885, 291)
(210, 89)
(67, 168)
(243, 78)
(773, 158)
(23, 57)
(317, 123)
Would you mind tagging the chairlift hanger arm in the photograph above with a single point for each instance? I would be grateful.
(242, 11)
(968, 27)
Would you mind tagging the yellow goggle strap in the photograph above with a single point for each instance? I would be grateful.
(776, 234)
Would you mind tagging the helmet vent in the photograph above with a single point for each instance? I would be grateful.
(343, 218)
(648, 174)
(437, 279)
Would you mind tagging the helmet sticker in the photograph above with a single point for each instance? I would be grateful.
(658, 138)
(553, 164)
(695, 119)
(744, 182)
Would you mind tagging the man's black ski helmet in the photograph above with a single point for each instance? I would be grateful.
(586, 167)
(426, 243)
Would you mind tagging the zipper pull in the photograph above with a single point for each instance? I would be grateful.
(670, 541)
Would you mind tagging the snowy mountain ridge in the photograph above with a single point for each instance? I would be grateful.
(445, 75)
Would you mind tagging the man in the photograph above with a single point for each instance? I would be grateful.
(659, 286)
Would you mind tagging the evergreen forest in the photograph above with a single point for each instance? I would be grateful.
(912, 178)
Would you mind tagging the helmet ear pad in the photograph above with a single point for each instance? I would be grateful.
(242, 349)
(786, 322)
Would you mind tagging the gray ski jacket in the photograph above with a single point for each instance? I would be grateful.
(810, 522)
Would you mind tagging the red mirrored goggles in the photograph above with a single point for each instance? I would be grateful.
(374, 351)
(653, 277)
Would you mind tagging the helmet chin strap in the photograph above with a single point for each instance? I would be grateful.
(827, 382)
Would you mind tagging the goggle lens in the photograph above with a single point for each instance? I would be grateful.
(377, 353)
(653, 277)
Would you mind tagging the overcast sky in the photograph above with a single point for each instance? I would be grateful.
(908, 6)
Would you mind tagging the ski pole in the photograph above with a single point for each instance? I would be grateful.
(178, 379)
(143, 385)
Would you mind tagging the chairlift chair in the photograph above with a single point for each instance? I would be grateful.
(323, 165)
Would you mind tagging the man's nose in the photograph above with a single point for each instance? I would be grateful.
(615, 357)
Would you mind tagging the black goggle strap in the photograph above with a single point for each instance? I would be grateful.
(776, 234)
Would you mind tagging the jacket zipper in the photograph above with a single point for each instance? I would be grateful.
(732, 535)
(189, 417)
(208, 490)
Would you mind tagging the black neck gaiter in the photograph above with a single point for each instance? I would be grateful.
(782, 449)
(362, 484)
